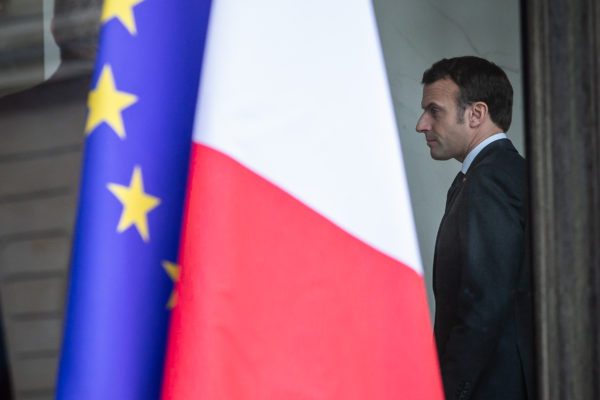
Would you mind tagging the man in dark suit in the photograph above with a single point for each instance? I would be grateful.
(482, 285)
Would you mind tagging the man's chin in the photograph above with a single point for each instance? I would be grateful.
(438, 157)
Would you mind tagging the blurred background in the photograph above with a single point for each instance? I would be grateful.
(47, 49)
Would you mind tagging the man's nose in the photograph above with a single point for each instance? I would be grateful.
(423, 124)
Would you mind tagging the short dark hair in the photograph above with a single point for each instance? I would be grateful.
(477, 80)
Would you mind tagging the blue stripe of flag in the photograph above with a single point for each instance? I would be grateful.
(116, 325)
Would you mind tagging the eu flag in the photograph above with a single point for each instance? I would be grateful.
(138, 132)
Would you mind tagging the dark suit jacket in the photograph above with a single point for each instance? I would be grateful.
(482, 285)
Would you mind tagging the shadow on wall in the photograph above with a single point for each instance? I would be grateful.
(414, 34)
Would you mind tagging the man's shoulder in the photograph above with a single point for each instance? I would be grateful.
(500, 169)
(500, 157)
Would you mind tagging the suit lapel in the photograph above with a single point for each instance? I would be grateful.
(454, 189)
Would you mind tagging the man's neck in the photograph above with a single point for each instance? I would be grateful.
(477, 149)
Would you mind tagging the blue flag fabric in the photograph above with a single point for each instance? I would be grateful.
(138, 138)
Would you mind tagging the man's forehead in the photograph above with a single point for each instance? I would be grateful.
(439, 92)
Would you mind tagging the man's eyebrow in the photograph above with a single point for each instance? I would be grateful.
(431, 104)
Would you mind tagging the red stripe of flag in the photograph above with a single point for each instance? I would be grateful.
(276, 302)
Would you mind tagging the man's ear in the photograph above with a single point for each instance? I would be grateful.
(478, 114)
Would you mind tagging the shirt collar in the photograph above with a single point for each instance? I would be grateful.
(473, 153)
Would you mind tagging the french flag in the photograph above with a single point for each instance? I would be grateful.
(300, 270)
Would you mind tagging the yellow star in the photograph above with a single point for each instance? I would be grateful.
(123, 11)
(136, 204)
(172, 270)
(106, 104)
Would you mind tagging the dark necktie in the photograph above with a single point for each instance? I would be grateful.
(452, 192)
(456, 184)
